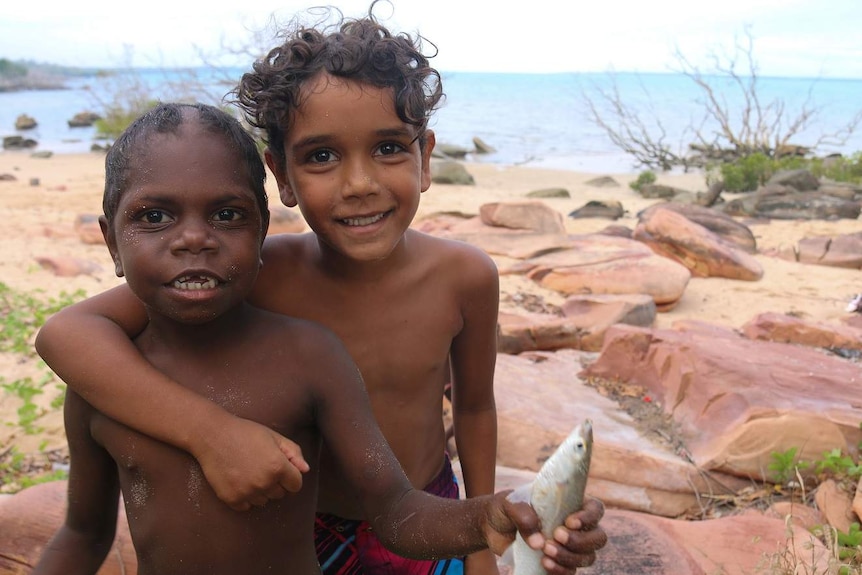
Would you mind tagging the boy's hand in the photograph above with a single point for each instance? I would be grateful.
(574, 545)
(247, 464)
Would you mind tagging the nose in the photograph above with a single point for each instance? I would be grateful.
(194, 237)
(359, 179)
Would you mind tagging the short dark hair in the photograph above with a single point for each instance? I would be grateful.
(354, 48)
(166, 118)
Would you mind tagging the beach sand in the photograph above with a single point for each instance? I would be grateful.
(48, 194)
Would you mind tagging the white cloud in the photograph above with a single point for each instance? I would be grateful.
(797, 37)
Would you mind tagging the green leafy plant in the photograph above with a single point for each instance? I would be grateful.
(838, 464)
(784, 465)
(25, 389)
(19, 471)
(747, 173)
(644, 178)
(23, 313)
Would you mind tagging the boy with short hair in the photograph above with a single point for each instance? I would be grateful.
(345, 113)
(185, 218)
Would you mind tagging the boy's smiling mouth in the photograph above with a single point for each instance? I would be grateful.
(364, 220)
(195, 282)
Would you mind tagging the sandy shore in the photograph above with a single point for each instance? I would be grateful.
(47, 195)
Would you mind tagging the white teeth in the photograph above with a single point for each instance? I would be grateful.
(195, 283)
(363, 221)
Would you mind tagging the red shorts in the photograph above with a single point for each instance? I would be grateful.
(349, 547)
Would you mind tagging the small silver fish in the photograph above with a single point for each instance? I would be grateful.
(556, 492)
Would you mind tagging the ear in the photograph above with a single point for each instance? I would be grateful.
(428, 148)
(279, 170)
(111, 241)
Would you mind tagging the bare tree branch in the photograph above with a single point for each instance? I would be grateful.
(736, 121)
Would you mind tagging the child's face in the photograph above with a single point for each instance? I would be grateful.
(187, 232)
(353, 167)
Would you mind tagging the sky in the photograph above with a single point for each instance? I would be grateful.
(806, 38)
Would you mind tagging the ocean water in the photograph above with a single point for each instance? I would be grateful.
(531, 119)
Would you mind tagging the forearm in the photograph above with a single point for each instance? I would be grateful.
(428, 527)
(98, 360)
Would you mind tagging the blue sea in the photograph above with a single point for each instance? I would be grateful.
(539, 120)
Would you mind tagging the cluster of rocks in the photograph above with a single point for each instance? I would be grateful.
(687, 419)
(25, 122)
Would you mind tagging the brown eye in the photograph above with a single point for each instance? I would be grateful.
(153, 217)
(227, 215)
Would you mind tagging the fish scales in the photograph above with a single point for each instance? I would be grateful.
(556, 492)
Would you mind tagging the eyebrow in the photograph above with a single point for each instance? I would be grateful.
(318, 139)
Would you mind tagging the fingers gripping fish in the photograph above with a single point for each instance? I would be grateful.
(556, 492)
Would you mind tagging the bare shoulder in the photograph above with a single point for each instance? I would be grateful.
(460, 259)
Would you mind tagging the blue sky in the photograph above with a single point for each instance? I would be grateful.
(792, 37)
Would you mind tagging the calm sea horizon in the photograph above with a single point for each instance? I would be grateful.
(538, 120)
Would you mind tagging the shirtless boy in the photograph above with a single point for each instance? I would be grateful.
(345, 113)
(185, 217)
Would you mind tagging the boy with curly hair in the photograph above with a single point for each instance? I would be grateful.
(345, 113)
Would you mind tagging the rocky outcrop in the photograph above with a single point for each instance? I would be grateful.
(704, 253)
(736, 400)
(582, 325)
(530, 215)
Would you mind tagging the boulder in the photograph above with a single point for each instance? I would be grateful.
(703, 252)
(540, 399)
(482, 147)
(29, 519)
(843, 251)
(714, 220)
(734, 545)
(25, 122)
(583, 326)
(602, 264)
(450, 172)
(531, 215)
(737, 401)
(785, 328)
(610, 209)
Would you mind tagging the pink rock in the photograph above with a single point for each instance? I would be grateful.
(29, 519)
(599, 264)
(706, 254)
(539, 401)
(66, 266)
(804, 516)
(587, 318)
(736, 400)
(843, 251)
(736, 545)
(531, 215)
(835, 504)
(789, 329)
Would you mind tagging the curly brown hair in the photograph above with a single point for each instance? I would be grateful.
(358, 49)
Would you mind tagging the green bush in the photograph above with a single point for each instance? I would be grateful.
(644, 178)
(843, 169)
(118, 117)
(747, 173)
